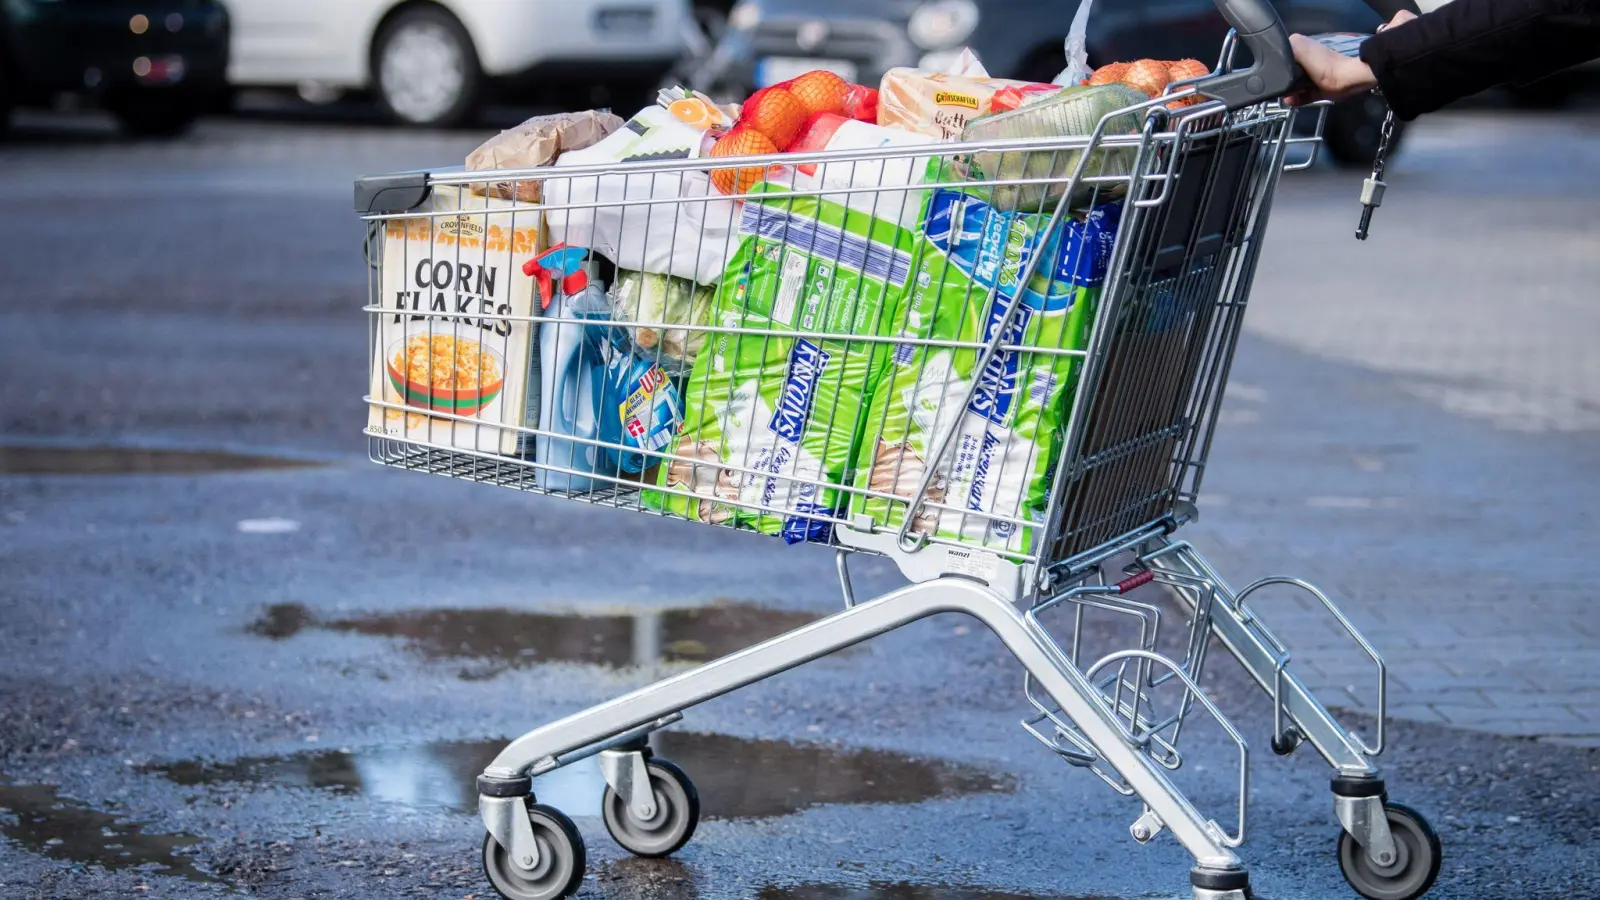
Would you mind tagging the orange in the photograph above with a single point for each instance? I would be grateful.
(696, 112)
(1149, 76)
(775, 113)
(1185, 69)
(741, 141)
(821, 91)
(1110, 73)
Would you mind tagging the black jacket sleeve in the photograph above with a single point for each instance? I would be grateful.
(1469, 45)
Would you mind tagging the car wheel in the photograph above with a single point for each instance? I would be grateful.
(426, 70)
(225, 101)
(156, 117)
(1354, 130)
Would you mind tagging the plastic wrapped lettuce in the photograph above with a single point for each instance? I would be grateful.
(772, 422)
(656, 303)
(1074, 111)
(1008, 437)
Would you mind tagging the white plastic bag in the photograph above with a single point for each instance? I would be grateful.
(691, 240)
(1077, 47)
(966, 65)
(859, 177)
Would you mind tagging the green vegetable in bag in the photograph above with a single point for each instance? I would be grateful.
(1073, 111)
(656, 303)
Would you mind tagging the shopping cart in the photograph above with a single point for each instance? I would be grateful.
(779, 422)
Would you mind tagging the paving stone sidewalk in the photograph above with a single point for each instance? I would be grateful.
(1435, 462)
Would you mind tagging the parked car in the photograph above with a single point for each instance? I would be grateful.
(769, 40)
(154, 64)
(434, 62)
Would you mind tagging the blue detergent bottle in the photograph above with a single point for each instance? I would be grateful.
(571, 369)
(639, 408)
(597, 402)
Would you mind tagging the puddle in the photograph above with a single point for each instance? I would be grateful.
(901, 891)
(737, 778)
(44, 822)
(503, 639)
(37, 460)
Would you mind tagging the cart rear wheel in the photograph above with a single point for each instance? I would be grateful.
(1288, 742)
(1416, 864)
(677, 813)
(561, 860)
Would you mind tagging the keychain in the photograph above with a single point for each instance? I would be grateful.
(1372, 189)
(1349, 44)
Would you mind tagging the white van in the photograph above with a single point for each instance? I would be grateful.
(432, 62)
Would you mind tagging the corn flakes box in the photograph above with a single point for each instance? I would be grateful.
(438, 344)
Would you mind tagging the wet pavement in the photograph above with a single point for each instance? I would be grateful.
(277, 681)
(898, 891)
(25, 459)
(43, 821)
(738, 778)
(498, 639)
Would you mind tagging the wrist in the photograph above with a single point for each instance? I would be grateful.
(1355, 77)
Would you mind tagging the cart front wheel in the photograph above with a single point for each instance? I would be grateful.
(559, 871)
(1416, 863)
(677, 812)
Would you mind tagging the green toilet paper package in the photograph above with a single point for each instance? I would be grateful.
(1008, 437)
(768, 416)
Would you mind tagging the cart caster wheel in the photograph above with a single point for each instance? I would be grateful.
(1288, 742)
(561, 860)
(1416, 864)
(677, 813)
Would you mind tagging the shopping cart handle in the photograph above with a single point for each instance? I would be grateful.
(1273, 71)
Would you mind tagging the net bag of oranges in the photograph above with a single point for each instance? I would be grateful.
(775, 117)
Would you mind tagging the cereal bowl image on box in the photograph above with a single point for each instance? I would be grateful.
(445, 373)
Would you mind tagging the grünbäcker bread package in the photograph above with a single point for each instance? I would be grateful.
(434, 348)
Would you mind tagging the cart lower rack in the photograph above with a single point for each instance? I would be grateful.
(998, 364)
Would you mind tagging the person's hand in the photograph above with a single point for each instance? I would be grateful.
(1333, 75)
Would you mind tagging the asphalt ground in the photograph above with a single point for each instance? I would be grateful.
(276, 676)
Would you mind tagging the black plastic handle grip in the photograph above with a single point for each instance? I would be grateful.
(1272, 74)
(1274, 71)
